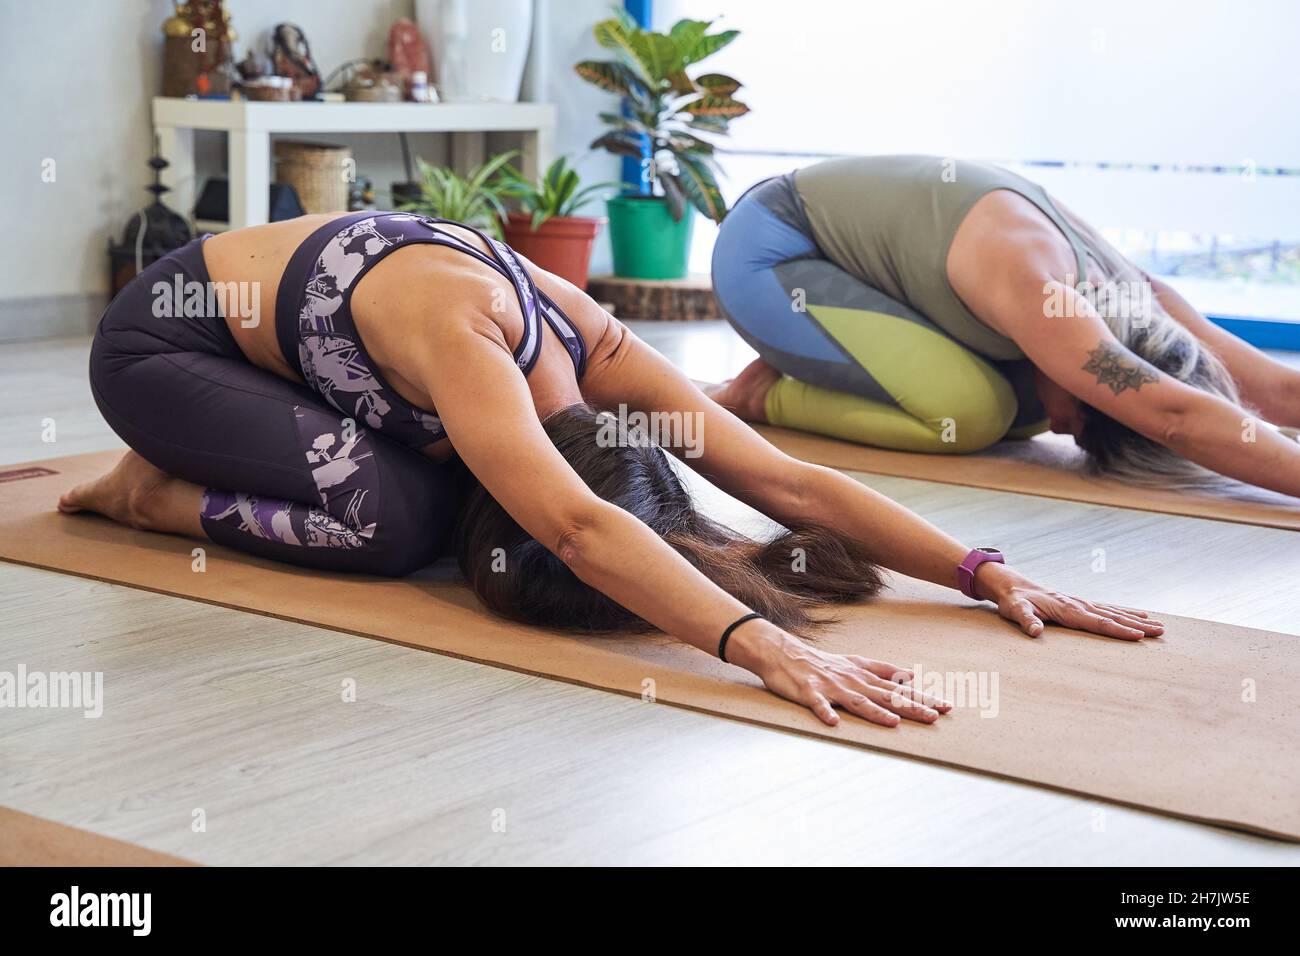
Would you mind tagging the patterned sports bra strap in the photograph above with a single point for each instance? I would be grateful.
(543, 304)
(504, 262)
(532, 300)
(568, 334)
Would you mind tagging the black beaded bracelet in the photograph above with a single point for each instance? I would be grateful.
(722, 644)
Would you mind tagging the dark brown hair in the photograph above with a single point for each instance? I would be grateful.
(526, 582)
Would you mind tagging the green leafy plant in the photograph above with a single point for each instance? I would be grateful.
(556, 193)
(474, 199)
(675, 113)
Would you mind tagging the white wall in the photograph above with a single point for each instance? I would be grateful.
(77, 79)
(79, 75)
(564, 39)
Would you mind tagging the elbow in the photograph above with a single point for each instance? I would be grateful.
(571, 542)
(1176, 428)
(1173, 428)
(577, 536)
(801, 495)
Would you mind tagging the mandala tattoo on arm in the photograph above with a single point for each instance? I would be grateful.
(1112, 369)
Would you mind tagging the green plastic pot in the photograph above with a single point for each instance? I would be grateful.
(647, 243)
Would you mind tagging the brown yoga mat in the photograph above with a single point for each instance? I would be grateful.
(1202, 724)
(26, 840)
(1049, 466)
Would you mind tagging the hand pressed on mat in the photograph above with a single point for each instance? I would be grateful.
(1029, 606)
(881, 692)
(876, 691)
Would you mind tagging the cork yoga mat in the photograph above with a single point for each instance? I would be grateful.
(1202, 724)
(26, 840)
(1048, 466)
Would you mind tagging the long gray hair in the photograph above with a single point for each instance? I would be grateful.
(1150, 333)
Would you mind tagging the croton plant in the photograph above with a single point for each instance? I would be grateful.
(670, 116)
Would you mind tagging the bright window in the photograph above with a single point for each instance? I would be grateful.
(1170, 124)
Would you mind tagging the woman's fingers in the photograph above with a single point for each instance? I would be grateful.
(1087, 616)
(820, 706)
(914, 694)
(1023, 613)
(1147, 627)
(902, 699)
(1134, 611)
(899, 679)
(872, 698)
(899, 675)
(856, 684)
(896, 699)
(865, 708)
(1137, 619)
(1030, 608)
(1078, 615)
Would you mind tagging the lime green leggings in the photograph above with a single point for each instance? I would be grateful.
(857, 364)
(945, 398)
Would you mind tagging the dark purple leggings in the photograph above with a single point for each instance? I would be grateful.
(286, 475)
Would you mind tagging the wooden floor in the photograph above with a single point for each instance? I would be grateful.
(239, 720)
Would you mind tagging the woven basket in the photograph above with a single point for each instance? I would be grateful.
(318, 172)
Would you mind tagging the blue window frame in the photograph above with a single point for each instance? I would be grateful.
(634, 179)
(1262, 333)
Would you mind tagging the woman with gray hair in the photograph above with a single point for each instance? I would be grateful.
(926, 304)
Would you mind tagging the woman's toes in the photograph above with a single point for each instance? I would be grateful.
(84, 497)
(128, 494)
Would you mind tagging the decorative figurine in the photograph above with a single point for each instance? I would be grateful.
(197, 50)
(149, 235)
(291, 57)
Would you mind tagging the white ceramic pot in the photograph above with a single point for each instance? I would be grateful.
(479, 47)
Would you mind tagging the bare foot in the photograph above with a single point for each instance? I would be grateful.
(745, 396)
(126, 494)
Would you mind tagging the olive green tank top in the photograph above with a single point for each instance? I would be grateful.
(890, 220)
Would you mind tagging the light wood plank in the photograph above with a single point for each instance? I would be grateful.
(243, 717)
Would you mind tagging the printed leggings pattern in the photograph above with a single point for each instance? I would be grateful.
(286, 476)
(343, 469)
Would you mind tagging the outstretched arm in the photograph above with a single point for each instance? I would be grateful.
(484, 403)
(1079, 352)
(1265, 384)
(738, 460)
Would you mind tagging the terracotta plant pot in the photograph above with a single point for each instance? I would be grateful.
(561, 245)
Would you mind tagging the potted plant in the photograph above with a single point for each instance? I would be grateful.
(668, 122)
(547, 229)
(474, 199)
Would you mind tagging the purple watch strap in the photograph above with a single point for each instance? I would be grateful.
(966, 570)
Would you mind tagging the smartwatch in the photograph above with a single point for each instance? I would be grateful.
(966, 570)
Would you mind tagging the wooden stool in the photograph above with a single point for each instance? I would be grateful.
(681, 300)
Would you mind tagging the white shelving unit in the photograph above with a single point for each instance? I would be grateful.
(249, 126)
